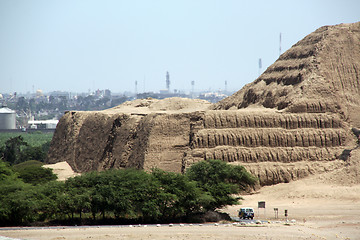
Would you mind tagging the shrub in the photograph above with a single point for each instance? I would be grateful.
(32, 172)
(220, 180)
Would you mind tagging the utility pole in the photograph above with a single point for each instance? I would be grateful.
(168, 81)
(280, 45)
(260, 66)
(192, 88)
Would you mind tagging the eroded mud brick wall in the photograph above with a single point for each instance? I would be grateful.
(167, 142)
(97, 141)
(289, 145)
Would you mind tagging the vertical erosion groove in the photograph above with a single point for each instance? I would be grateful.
(107, 158)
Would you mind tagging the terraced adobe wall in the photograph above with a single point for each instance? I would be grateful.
(262, 141)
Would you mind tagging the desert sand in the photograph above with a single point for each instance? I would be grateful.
(325, 206)
(62, 170)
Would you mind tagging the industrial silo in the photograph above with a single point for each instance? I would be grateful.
(7, 118)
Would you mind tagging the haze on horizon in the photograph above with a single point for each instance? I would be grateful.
(77, 45)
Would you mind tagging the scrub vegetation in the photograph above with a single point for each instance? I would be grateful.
(16, 148)
(117, 196)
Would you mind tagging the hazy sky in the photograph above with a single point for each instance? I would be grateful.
(77, 45)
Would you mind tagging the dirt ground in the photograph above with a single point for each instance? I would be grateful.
(317, 210)
(316, 220)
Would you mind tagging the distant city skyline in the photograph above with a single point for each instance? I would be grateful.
(77, 45)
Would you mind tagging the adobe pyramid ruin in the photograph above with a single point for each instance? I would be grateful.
(293, 121)
(318, 74)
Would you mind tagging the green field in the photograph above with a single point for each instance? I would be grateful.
(35, 139)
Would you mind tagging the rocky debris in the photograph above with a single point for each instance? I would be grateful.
(356, 132)
(345, 154)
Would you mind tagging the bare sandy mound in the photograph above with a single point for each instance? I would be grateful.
(62, 170)
(169, 105)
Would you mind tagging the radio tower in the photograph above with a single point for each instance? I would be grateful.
(260, 66)
(280, 45)
(192, 88)
(168, 81)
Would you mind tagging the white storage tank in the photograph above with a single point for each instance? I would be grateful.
(7, 118)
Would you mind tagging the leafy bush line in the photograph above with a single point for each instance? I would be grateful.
(123, 196)
(35, 139)
(17, 150)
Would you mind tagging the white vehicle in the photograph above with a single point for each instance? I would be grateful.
(246, 212)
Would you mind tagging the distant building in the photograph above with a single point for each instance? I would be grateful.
(39, 93)
(60, 94)
(107, 93)
(7, 118)
(43, 124)
(164, 91)
(163, 94)
(212, 97)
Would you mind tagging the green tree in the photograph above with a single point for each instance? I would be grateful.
(49, 206)
(22, 104)
(36, 175)
(77, 196)
(179, 196)
(32, 153)
(6, 173)
(221, 180)
(125, 192)
(32, 105)
(143, 194)
(12, 150)
(16, 150)
(18, 203)
(45, 147)
(63, 103)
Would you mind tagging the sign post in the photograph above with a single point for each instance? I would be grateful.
(261, 204)
(276, 211)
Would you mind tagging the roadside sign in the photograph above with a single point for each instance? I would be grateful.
(276, 210)
(261, 204)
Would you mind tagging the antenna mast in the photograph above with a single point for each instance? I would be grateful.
(192, 88)
(168, 81)
(260, 66)
(280, 45)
